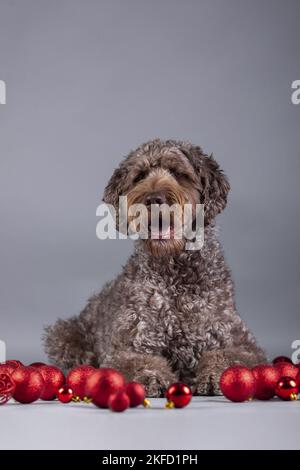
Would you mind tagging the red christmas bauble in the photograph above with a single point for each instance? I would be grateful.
(266, 377)
(65, 394)
(7, 387)
(119, 401)
(298, 381)
(53, 380)
(37, 365)
(77, 377)
(14, 363)
(103, 383)
(287, 388)
(180, 394)
(286, 369)
(6, 369)
(237, 383)
(136, 393)
(279, 359)
(29, 384)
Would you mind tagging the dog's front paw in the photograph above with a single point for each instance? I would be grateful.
(155, 381)
(208, 383)
(210, 369)
(152, 371)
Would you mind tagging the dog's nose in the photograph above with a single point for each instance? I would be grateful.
(155, 198)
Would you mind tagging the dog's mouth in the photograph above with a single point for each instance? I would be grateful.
(160, 233)
(165, 236)
(161, 229)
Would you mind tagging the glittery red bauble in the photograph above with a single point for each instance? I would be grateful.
(53, 380)
(7, 387)
(298, 381)
(266, 377)
(286, 370)
(103, 383)
(6, 369)
(279, 359)
(287, 388)
(118, 401)
(237, 383)
(14, 363)
(136, 393)
(65, 394)
(29, 384)
(77, 377)
(37, 364)
(180, 394)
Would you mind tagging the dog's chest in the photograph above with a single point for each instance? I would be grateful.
(176, 325)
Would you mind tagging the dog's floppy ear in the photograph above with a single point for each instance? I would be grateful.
(213, 184)
(116, 186)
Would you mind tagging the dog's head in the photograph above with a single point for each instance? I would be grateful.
(169, 172)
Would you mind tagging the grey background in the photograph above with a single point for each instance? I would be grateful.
(89, 80)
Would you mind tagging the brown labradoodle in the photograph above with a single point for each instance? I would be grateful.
(170, 315)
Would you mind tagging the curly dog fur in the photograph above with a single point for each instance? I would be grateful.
(170, 315)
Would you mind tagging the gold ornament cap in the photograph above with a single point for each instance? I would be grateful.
(169, 405)
(87, 400)
(76, 399)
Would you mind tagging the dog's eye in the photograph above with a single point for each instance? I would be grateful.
(179, 175)
(140, 176)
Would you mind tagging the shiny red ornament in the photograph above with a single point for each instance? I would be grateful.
(29, 384)
(287, 388)
(53, 380)
(287, 370)
(237, 383)
(136, 393)
(65, 394)
(7, 388)
(14, 363)
(266, 378)
(298, 381)
(119, 401)
(279, 359)
(77, 377)
(37, 365)
(103, 383)
(6, 369)
(180, 394)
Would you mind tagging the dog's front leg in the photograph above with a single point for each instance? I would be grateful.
(152, 371)
(213, 363)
